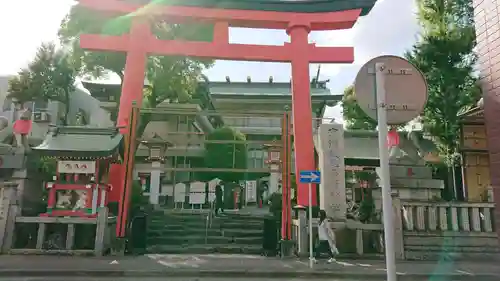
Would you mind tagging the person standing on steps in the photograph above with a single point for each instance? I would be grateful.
(326, 237)
(219, 204)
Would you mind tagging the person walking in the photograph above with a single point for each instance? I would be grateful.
(326, 243)
(219, 204)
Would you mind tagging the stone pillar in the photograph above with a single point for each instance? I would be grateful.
(302, 231)
(273, 182)
(331, 164)
(398, 227)
(8, 212)
(154, 188)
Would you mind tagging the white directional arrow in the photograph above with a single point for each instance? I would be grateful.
(312, 176)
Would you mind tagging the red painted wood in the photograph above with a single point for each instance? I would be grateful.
(219, 50)
(115, 181)
(237, 18)
(134, 73)
(302, 113)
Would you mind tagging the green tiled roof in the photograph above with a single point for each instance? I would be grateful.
(80, 142)
(298, 6)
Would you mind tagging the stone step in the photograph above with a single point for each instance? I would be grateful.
(452, 256)
(200, 240)
(205, 249)
(452, 249)
(176, 226)
(198, 219)
(201, 231)
(418, 239)
(216, 224)
(246, 225)
(167, 221)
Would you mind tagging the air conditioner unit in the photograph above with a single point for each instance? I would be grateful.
(41, 117)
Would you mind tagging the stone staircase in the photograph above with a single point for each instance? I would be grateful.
(451, 245)
(185, 232)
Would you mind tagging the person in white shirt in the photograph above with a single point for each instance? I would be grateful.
(326, 237)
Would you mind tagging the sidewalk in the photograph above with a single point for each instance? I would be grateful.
(236, 266)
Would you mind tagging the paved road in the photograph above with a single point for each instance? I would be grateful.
(239, 267)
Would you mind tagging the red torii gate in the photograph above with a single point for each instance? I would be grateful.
(140, 43)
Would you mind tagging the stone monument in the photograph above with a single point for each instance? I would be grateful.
(331, 164)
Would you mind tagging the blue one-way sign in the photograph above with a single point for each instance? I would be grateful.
(310, 177)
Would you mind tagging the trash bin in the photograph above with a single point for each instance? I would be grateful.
(138, 233)
(270, 236)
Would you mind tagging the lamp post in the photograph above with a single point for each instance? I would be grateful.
(157, 147)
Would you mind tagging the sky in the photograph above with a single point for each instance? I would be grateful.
(390, 28)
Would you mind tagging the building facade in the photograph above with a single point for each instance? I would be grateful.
(487, 23)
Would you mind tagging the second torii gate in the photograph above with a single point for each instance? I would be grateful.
(298, 18)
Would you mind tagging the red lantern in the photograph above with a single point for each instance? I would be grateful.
(392, 138)
(22, 127)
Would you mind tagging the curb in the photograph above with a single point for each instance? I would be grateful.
(239, 274)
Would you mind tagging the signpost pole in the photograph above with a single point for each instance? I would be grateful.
(310, 177)
(384, 168)
(311, 250)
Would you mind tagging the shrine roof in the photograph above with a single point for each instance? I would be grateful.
(293, 6)
(474, 115)
(80, 142)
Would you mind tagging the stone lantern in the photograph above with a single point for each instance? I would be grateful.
(274, 161)
(157, 147)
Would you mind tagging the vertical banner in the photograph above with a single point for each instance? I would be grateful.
(127, 172)
(251, 191)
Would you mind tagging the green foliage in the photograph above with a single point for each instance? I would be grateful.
(445, 56)
(228, 155)
(171, 78)
(50, 76)
(354, 116)
(47, 168)
(367, 209)
(137, 197)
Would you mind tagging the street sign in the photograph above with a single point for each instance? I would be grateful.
(405, 89)
(392, 91)
(310, 177)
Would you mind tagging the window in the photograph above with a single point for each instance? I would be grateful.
(184, 124)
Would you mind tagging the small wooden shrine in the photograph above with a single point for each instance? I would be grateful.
(80, 185)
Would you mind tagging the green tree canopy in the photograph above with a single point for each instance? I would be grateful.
(231, 154)
(445, 55)
(172, 79)
(354, 116)
(49, 76)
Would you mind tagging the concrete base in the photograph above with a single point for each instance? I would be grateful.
(286, 248)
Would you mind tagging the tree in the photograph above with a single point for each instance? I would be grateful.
(50, 76)
(354, 116)
(445, 56)
(226, 151)
(172, 79)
